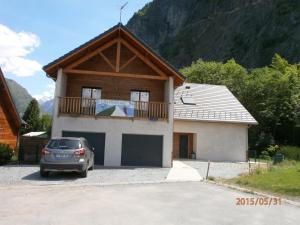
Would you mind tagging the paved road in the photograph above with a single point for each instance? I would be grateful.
(165, 203)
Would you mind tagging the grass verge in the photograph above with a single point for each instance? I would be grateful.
(282, 179)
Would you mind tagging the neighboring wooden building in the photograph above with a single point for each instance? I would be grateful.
(10, 121)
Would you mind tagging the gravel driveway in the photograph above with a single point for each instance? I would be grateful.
(29, 175)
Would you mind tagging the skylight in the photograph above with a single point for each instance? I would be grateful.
(188, 100)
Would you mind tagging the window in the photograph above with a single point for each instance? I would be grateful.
(188, 100)
(140, 96)
(88, 105)
(94, 93)
(64, 144)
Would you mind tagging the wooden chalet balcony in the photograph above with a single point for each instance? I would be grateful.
(77, 106)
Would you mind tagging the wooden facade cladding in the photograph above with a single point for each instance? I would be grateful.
(9, 118)
(118, 59)
(8, 132)
(117, 68)
(114, 87)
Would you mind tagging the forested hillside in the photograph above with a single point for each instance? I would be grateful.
(250, 31)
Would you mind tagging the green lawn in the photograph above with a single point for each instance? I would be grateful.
(282, 179)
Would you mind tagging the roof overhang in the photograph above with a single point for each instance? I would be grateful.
(9, 101)
(111, 34)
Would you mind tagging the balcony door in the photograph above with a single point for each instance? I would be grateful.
(140, 96)
(141, 99)
(94, 93)
(88, 102)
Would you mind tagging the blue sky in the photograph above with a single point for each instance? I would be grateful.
(35, 32)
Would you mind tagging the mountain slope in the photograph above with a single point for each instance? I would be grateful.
(47, 106)
(20, 95)
(251, 31)
(22, 98)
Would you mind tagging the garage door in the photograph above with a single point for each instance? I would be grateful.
(142, 150)
(96, 140)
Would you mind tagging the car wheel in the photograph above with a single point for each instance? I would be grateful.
(92, 167)
(84, 173)
(44, 173)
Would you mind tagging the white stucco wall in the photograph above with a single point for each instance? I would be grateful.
(60, 91)
(216, 141)
(113, 129)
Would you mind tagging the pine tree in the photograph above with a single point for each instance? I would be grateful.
(32, 117)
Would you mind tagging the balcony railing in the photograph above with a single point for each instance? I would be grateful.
(77, 106)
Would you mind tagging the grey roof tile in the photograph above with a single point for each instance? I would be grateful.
(214, 103)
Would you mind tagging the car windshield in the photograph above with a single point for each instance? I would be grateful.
(64, 144)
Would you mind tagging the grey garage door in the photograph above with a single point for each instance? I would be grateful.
(96, 140)
(142, 150)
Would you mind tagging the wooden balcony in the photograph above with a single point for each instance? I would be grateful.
(77, 106)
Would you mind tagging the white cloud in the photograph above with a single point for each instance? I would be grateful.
(14, 47)
(47, 94)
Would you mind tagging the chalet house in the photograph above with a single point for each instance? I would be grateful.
(10, 121)
(135, 109)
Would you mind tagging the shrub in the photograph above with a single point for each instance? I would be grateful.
(269, 152)
(272, 150)
(265, 155)
(290, 152)
(6, 154)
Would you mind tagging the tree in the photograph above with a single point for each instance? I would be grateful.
(271, 94)
(230, 74)
(46, 123)
(32, 117)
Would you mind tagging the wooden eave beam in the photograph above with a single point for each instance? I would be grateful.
(107, 61)
(128, 62)
(113, 74)
(179, 78)
(118, 55)
(56, 65)
(91, 54)
(143, 58)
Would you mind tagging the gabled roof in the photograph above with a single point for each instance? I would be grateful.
(119, 29)
(9, 103)
(212, 103)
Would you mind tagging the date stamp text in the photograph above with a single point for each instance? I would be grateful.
(266, 201)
